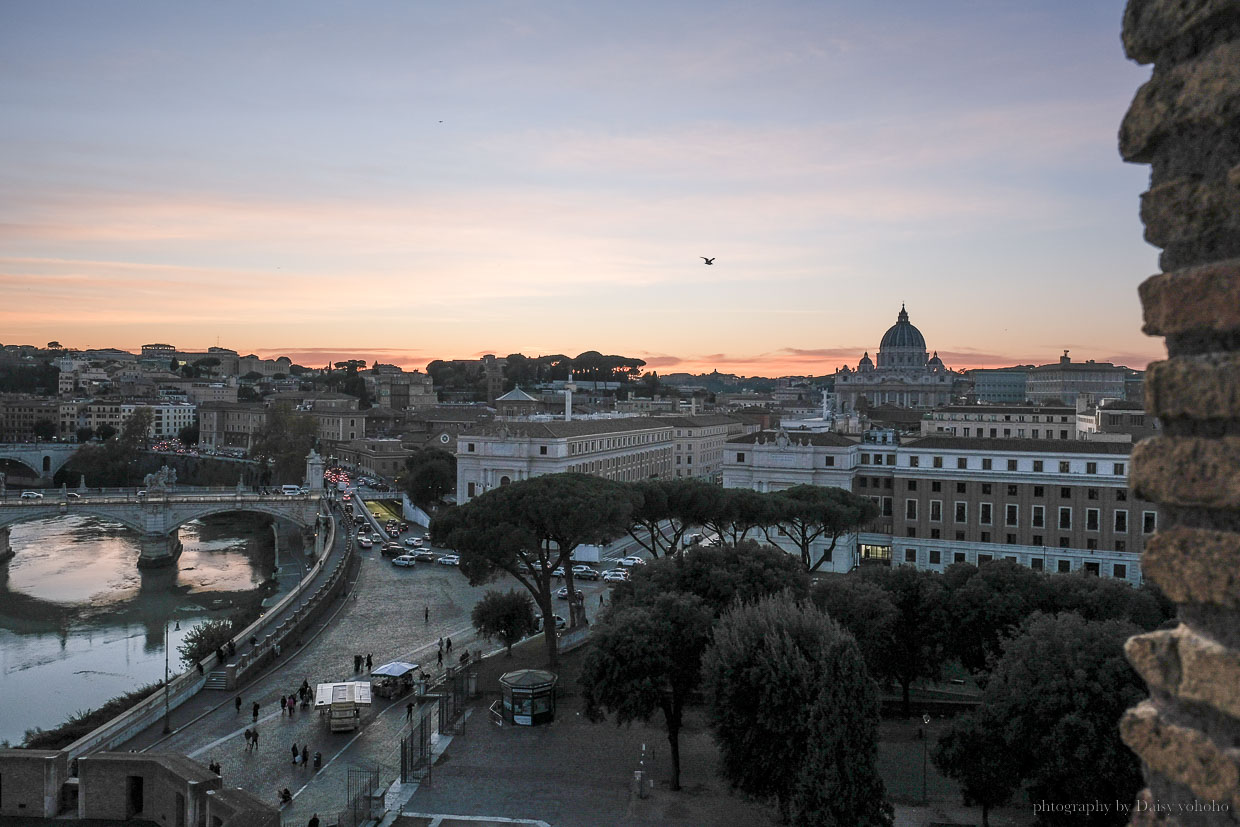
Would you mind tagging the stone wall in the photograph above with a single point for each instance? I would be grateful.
(1185, 123)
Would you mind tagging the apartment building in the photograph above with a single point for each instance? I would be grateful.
(167, 417)
(230, 424)
(627, 449)
(19, 412)
(699, 443)
(1002, 422)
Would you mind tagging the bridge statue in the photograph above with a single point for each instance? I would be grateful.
(161, 480)
(81, 483)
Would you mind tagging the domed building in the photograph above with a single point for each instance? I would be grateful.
(903, 373)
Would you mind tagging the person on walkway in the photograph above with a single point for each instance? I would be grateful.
(198, 665)
(238, 704)
(292, 705)
(448, 641)
(409, 711)
(439, 661)
(249, 737)
(441, 644)
(254, 708)
(254, 738)
(283, 708)
(369, 662)
(357, 664)
(314, 821)
(305, 754)
(426, 613)
(296, 753)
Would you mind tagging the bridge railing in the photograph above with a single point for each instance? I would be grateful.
(184, 686)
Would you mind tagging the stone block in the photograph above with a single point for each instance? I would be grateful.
(1184, 755)
(1152, 25)
(1189, 666)
(1195, 298)
(1198, 95)
(1188, 209)
(1188, 471)
(1194, 387)
(1193, 565)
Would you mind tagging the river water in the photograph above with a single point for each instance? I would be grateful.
(80, 623)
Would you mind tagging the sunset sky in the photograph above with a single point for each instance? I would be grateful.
(409, 181)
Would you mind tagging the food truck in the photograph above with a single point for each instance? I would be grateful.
(391, 680)
(341, 704)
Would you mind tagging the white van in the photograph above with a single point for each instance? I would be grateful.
(291, 490)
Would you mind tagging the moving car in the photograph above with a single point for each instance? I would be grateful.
(449, 560)
(558, 571)
(616, 576)
(424, 554)
(413, 542)
(73, 495)
(631, 561)
(365, 542)
(403, 560)
(562, 593)
(585, 573)
(391, 550)
(32, 495)
(290, 490)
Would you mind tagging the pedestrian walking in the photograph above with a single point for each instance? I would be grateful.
(448, 641)
(441, 644)
(409, 711)
(283, 707)
(314, 821)
(249, 736)
(426, 613)
(254, 738)
(296, 753)
(600, 600)
(305, 754)
(238, 704)
(254, 708)
(369, 662)
(357, 664)
(198, 666)
(439, 661)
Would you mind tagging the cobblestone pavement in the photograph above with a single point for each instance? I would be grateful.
(382, 616)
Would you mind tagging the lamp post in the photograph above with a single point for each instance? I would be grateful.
(175, 628)
(925, 736)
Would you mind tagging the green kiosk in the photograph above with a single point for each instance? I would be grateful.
(529, 696)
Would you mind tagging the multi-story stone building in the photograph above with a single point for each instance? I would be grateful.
(167, 418)
(1066, 381)
(1060, 505)
(1002, 422)
(619, 449)
(399, 390)
(699, 443)
(19, 413)
(1117, 421)
(1000, 386)
(230, 424)
(380, 457)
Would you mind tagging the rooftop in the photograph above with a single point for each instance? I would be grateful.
(1024, 446)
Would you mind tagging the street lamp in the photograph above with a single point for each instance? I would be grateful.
(925, 736)
(175, 628)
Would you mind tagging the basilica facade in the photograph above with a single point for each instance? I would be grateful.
(905, 375)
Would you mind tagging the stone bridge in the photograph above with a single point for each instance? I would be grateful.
(157, 517)
(44, 458)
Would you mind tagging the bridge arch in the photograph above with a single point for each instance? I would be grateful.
(8, 520)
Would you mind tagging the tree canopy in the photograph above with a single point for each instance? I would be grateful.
(666, 509)
(808, 512)
(503, 616)
(917, 649)
(430, 475)
(795, 714)
(284, 441)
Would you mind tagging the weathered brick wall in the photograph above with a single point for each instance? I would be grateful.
(1185, 123)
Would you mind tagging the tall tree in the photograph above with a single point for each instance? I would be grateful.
(809, 512)
(740, 511)
(669, 508)
(990, 606)
(530, 528)
(430, 474)
(646, 657)
(796, 714)
(44, 429)
(503, 616)
(284, 441)
(865, 610)
(977, 757)
(917, 645)
(1054, 698)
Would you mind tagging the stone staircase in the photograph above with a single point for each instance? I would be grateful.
(217, 679)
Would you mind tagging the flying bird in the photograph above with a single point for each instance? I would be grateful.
(707, 260)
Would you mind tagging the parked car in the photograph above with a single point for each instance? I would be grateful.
(424, 554)
(585, 573)
(616, 576)
(392, 550)
(403, 560)
(562, 593)
(413, 542)
(449, 560)
(32, 495)
(628, 562)
(558, 571)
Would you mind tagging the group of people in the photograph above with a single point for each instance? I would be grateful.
(358, 660)
(251, 739)
(288, 703)
(301, 756)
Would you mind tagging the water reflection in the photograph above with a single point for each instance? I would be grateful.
(80, 623)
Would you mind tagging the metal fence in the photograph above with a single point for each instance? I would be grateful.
(415, 749)
(453, 691)
(360, 805)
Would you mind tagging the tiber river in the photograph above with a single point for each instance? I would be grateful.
(79, 623)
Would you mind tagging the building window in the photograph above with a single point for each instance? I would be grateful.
(936, 511)
(830, 461)
(1120, 570)
(935, 534)
(1011, 539)
(912, 532)
(1039, 491)
(961, 487)
(938, 462)
(1121, 495)
(1064, 566)
(1121, 545)
(542, 450)
(914, 461)
(886, 506)
(936, 486)
(1037, 463)
(962, 512)
(962, 462)
(1118, 469)
(891, 459)
(1121, 522)
(910, 555)
(986, 464)
(958, 557)
(912, 485)
(1011, 464)
(741, 457)
(470, 490)
(960, 536)
(1149, 522)
(1091, 493)
(1091, 468)
(470, 448)
(1039, 517)
(1065, 542)
(1065, 518)
(984, 514)
(1010, 515)
(863, 482)
(934, 557)
(1092, 544)
(1011, 489)
(910, 509)
(1065, 493)
(985, 488)
(1037, 539)
(1035, 563)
